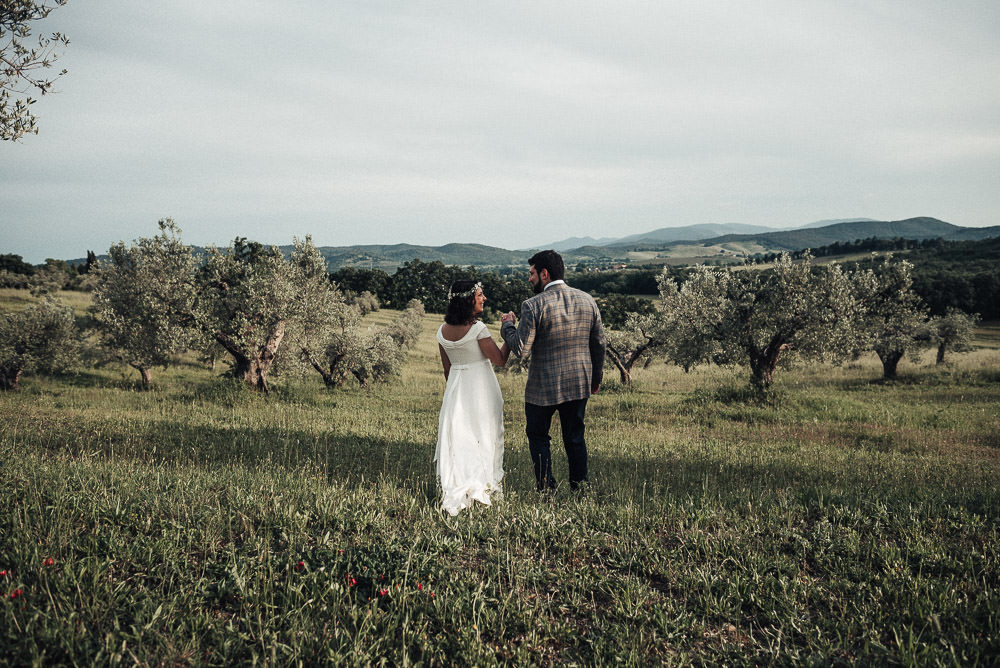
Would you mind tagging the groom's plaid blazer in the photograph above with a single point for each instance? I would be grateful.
(561, 329)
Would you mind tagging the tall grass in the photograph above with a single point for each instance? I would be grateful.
(842, 519)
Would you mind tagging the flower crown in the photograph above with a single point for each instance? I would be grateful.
(468, 293)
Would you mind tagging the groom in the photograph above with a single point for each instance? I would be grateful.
(561, 328)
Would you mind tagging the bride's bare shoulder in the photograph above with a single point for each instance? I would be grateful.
(454, 332)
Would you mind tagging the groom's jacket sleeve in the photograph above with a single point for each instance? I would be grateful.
(519, 338)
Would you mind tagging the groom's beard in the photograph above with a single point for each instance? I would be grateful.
(537, 287)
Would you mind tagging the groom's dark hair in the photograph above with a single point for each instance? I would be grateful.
(551, 260)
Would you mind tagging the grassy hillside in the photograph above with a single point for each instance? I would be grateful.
(844, 520)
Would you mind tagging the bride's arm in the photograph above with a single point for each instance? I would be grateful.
(445, 362)
(496, 355)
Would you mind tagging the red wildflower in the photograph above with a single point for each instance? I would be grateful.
(420, 587)
(49, 562)
(3, 574)
(352, 582)
(383, 592)
(17, 593)
(432, 594)
(300, 566)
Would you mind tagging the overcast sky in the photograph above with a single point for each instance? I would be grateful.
(505, 123)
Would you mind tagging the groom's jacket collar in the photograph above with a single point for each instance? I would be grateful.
(558, 281)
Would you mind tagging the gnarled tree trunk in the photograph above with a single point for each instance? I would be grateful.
(624, 360)
(330, 377)
(764, 361)
(890, 361)
(624, 369)
(144, 374)
(9, 377)
(252, 365)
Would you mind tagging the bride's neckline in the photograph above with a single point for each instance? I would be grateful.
(465, 334)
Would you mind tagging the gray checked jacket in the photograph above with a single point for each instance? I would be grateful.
(561, 329)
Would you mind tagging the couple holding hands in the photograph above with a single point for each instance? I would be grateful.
(560, 327)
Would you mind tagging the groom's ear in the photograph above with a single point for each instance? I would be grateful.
(544, 276)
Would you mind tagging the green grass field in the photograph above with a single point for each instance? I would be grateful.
(843, 520)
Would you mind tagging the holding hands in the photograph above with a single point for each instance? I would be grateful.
(508, 317)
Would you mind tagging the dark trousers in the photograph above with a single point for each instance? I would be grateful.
(538, 420)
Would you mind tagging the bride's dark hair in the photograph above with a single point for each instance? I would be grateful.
(461, 310)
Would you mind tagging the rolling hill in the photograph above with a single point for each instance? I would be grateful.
(389, 257)
(911, 228)
(689, 233)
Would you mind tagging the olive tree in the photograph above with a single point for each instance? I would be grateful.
(10, 279)
(640, 337)
(953, 331)
(405, 329)
(48, 279)
(372, 355)
(42, 337)
(337, 320)
(143, 293)
(894, 318)
(760, 317)
(366, 302)
(251, 297)
(23, 66)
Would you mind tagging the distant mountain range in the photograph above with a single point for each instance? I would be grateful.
(825, 223)
(712, 240)
(690, 244)
(577, 242)
(688, 233)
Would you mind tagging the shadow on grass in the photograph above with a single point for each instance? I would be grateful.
(667, 477)
(228, 391)
(926, 377)
(699, 471)
(343, 457)
(92, 379)
(738, 394)
(718, 481)
(900, 380)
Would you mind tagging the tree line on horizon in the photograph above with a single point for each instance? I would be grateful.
(964, 275)
(265, 310)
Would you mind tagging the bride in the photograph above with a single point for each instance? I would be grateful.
(469, 451)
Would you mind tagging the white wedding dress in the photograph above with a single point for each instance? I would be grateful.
(469, 451)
